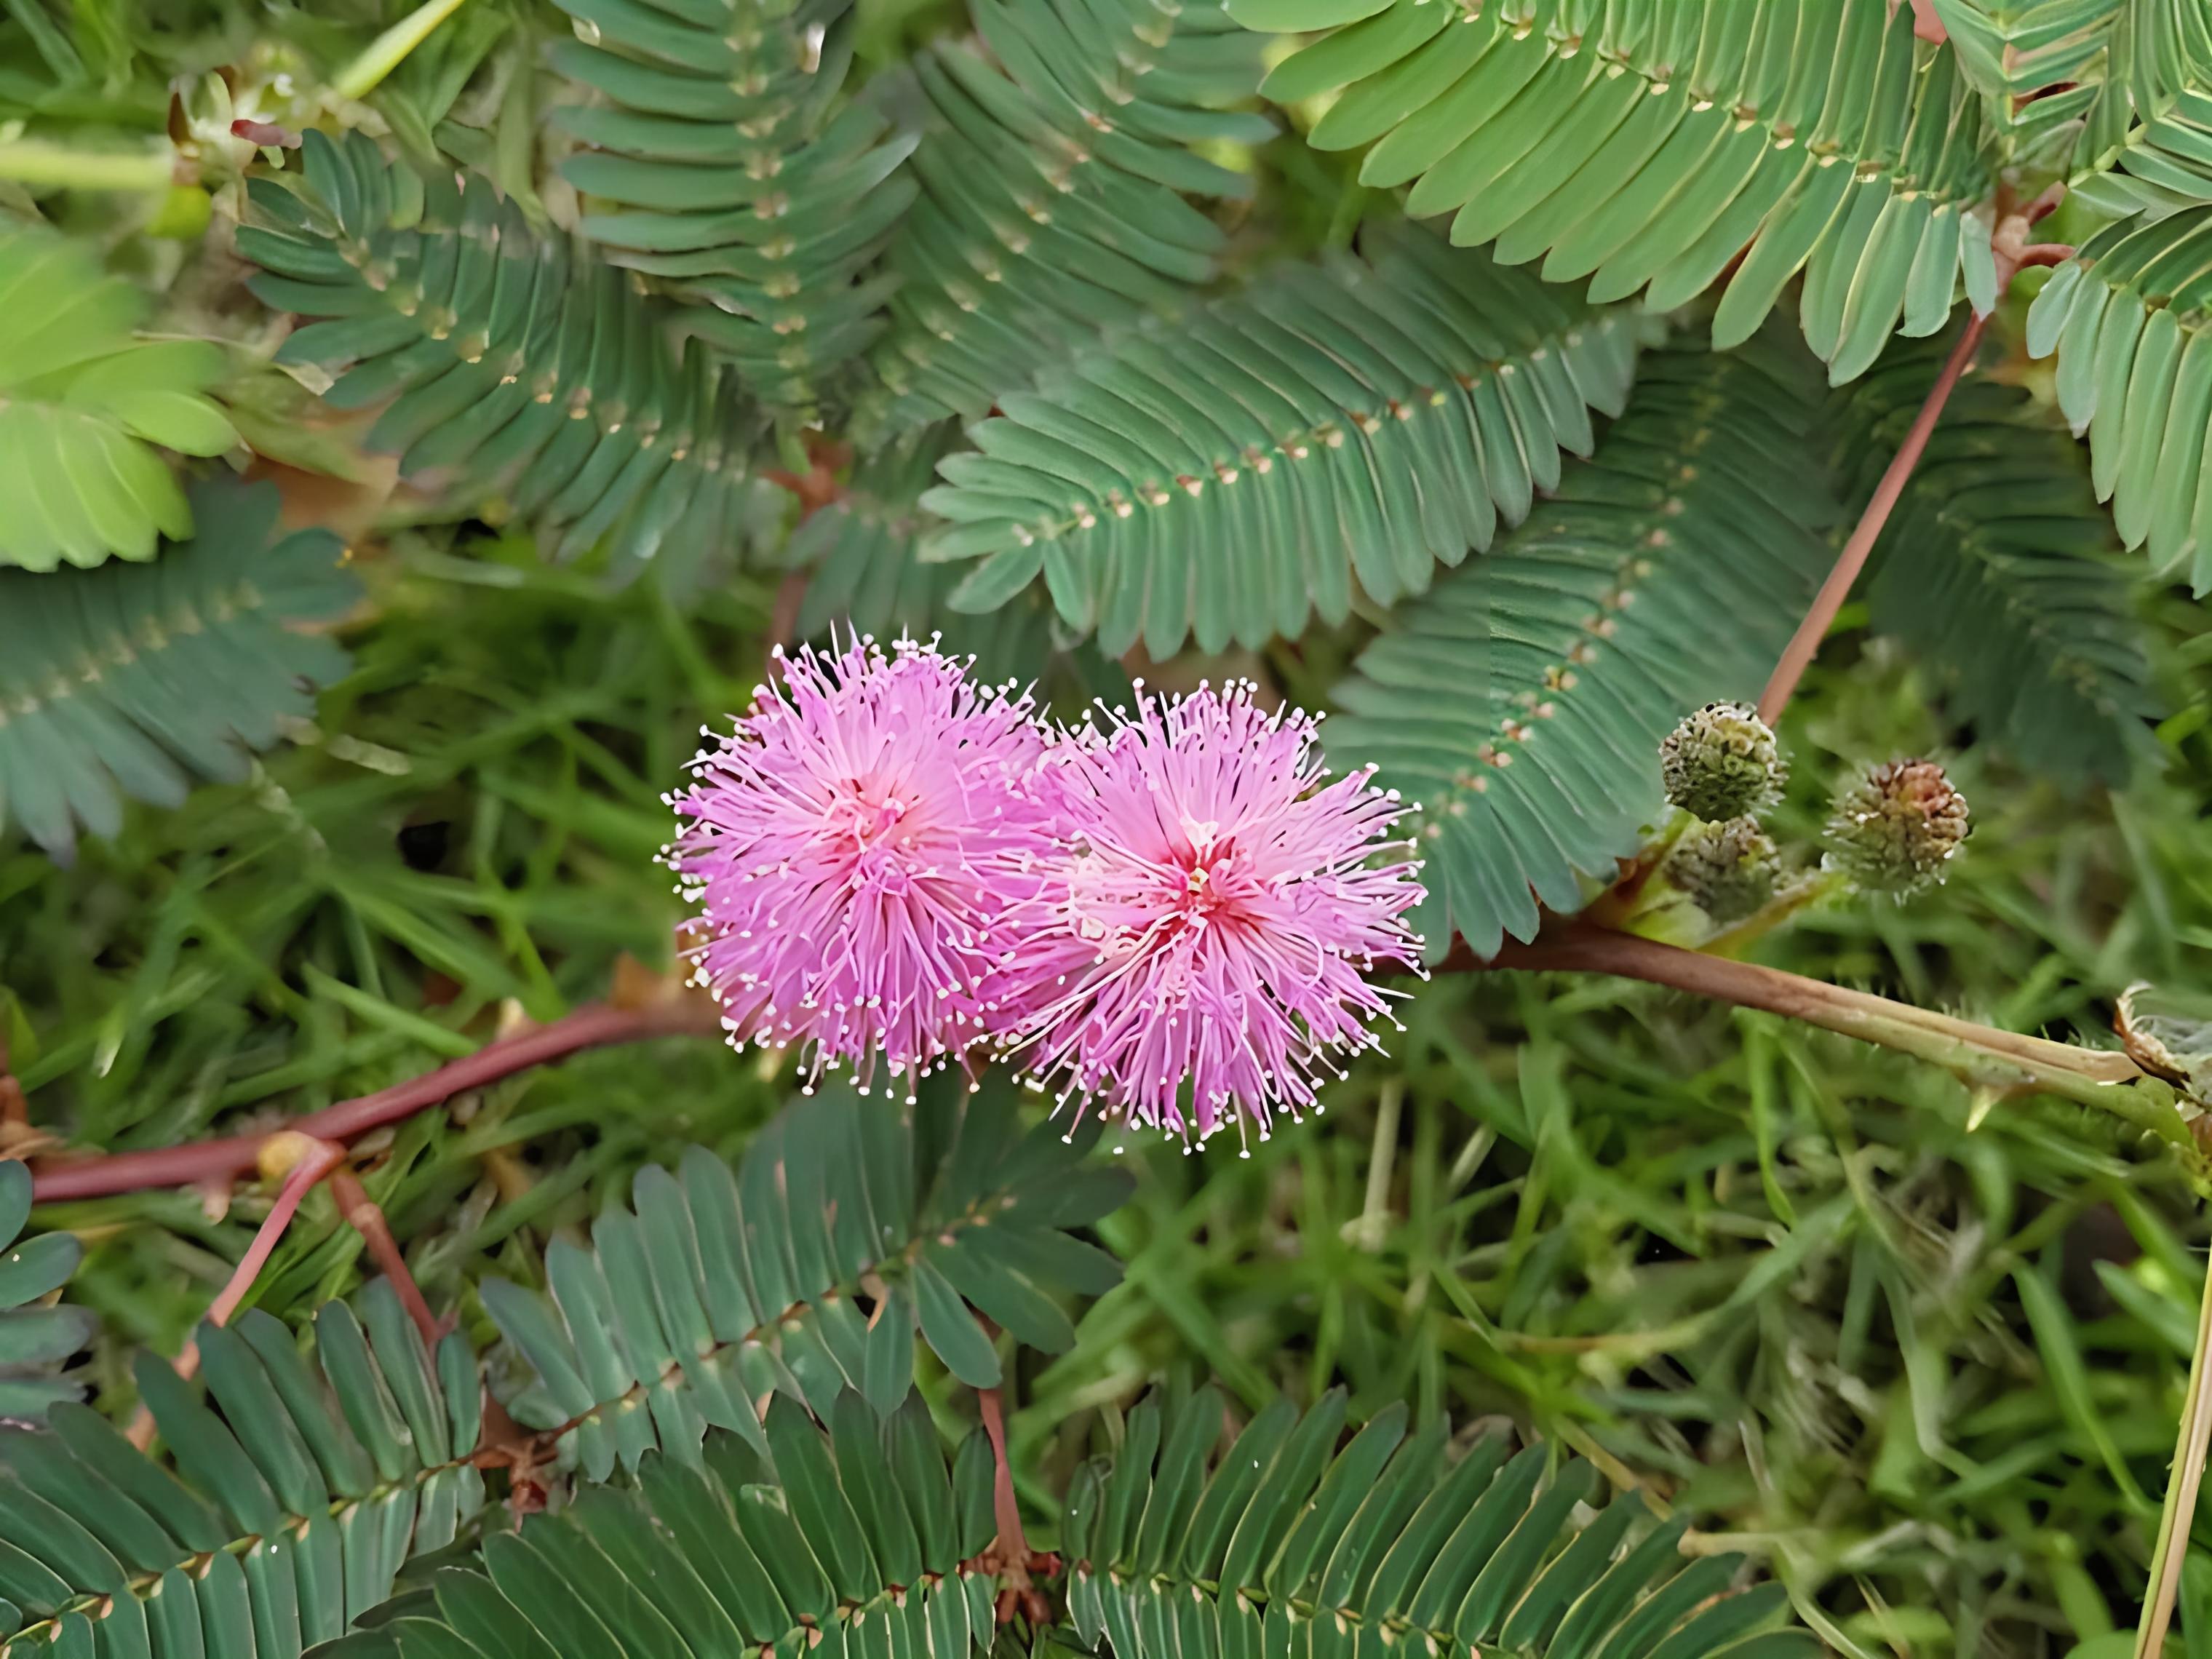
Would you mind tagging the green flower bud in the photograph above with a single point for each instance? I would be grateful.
(1721, 763)
(1729, 870)
(1895, 826)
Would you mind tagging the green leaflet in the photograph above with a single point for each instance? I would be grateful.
(1994, 567)
(531, 381)
(860, 552)
(132, 680)
(85, 407)
(2165, 167)
(717, 164)
(2126, 318)
(35, 1341)
(1522, 701)
(2156, 54)
(1644, 145)
(866, 574)
(717, 1556)
(2112, 90)
(1382, 1540)
(288, 1481)
(717, 1288)
(1052, 187)
(2039, 64)
(1229, 477)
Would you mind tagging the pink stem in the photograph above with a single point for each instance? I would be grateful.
(305, 1173)
(213, 1160)
(298, 1184)
(1834, 592)
(1005, 1507)
(362, 1214)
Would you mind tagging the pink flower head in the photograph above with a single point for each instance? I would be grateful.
(1211, 915)
(853, 845)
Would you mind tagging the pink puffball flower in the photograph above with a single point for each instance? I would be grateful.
(851, 847)
(1211, 915)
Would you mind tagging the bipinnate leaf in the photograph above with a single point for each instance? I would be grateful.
(86, 408)
(285, 1497)
(133, 680)
(852, 1224)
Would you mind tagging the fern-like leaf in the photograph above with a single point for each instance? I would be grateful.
(862, 550)
(85, 407)
(2158, 53)
(1644, 144)
(722, 169)
(1993, 568)
(716, 1287)
(861, 1537)
(2038, 64)
(37, 1338)
(1227, 477)
(1522, 703)
(299, 1489)
(1284, 1543)
(2165, 166)
(2127, 317)
(1050, 180)
(499, 359)
(131, 680)
(2113, 91)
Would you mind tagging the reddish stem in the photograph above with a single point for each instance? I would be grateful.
(1834, 592)
(2011, 252)
(318, 1161)
(818, 487)
(1980, 1054)
(1750, 985)
(212, 1160)
(304, 1174)
(1013, 1547)
(362, 1214)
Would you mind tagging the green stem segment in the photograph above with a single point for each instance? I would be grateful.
(30, 161)
(2179, 1509)
(390, 49)
(2108, 1081)
(216, 1160)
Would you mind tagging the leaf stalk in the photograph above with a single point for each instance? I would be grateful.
(592, 1027)
(2104, 1079)
(32, 161)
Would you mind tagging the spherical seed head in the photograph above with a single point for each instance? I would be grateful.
(1729, 870)
(1894, 826)
(1204, 935)
(852, 846)
(1722, 763)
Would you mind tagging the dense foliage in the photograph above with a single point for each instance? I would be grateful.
(422, 428)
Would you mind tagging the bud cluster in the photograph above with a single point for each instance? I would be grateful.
(1722, 763)
(1729, 870)
(1892, 828)
(1895, 826)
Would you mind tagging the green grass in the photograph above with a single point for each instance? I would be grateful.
(1920, 1352)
